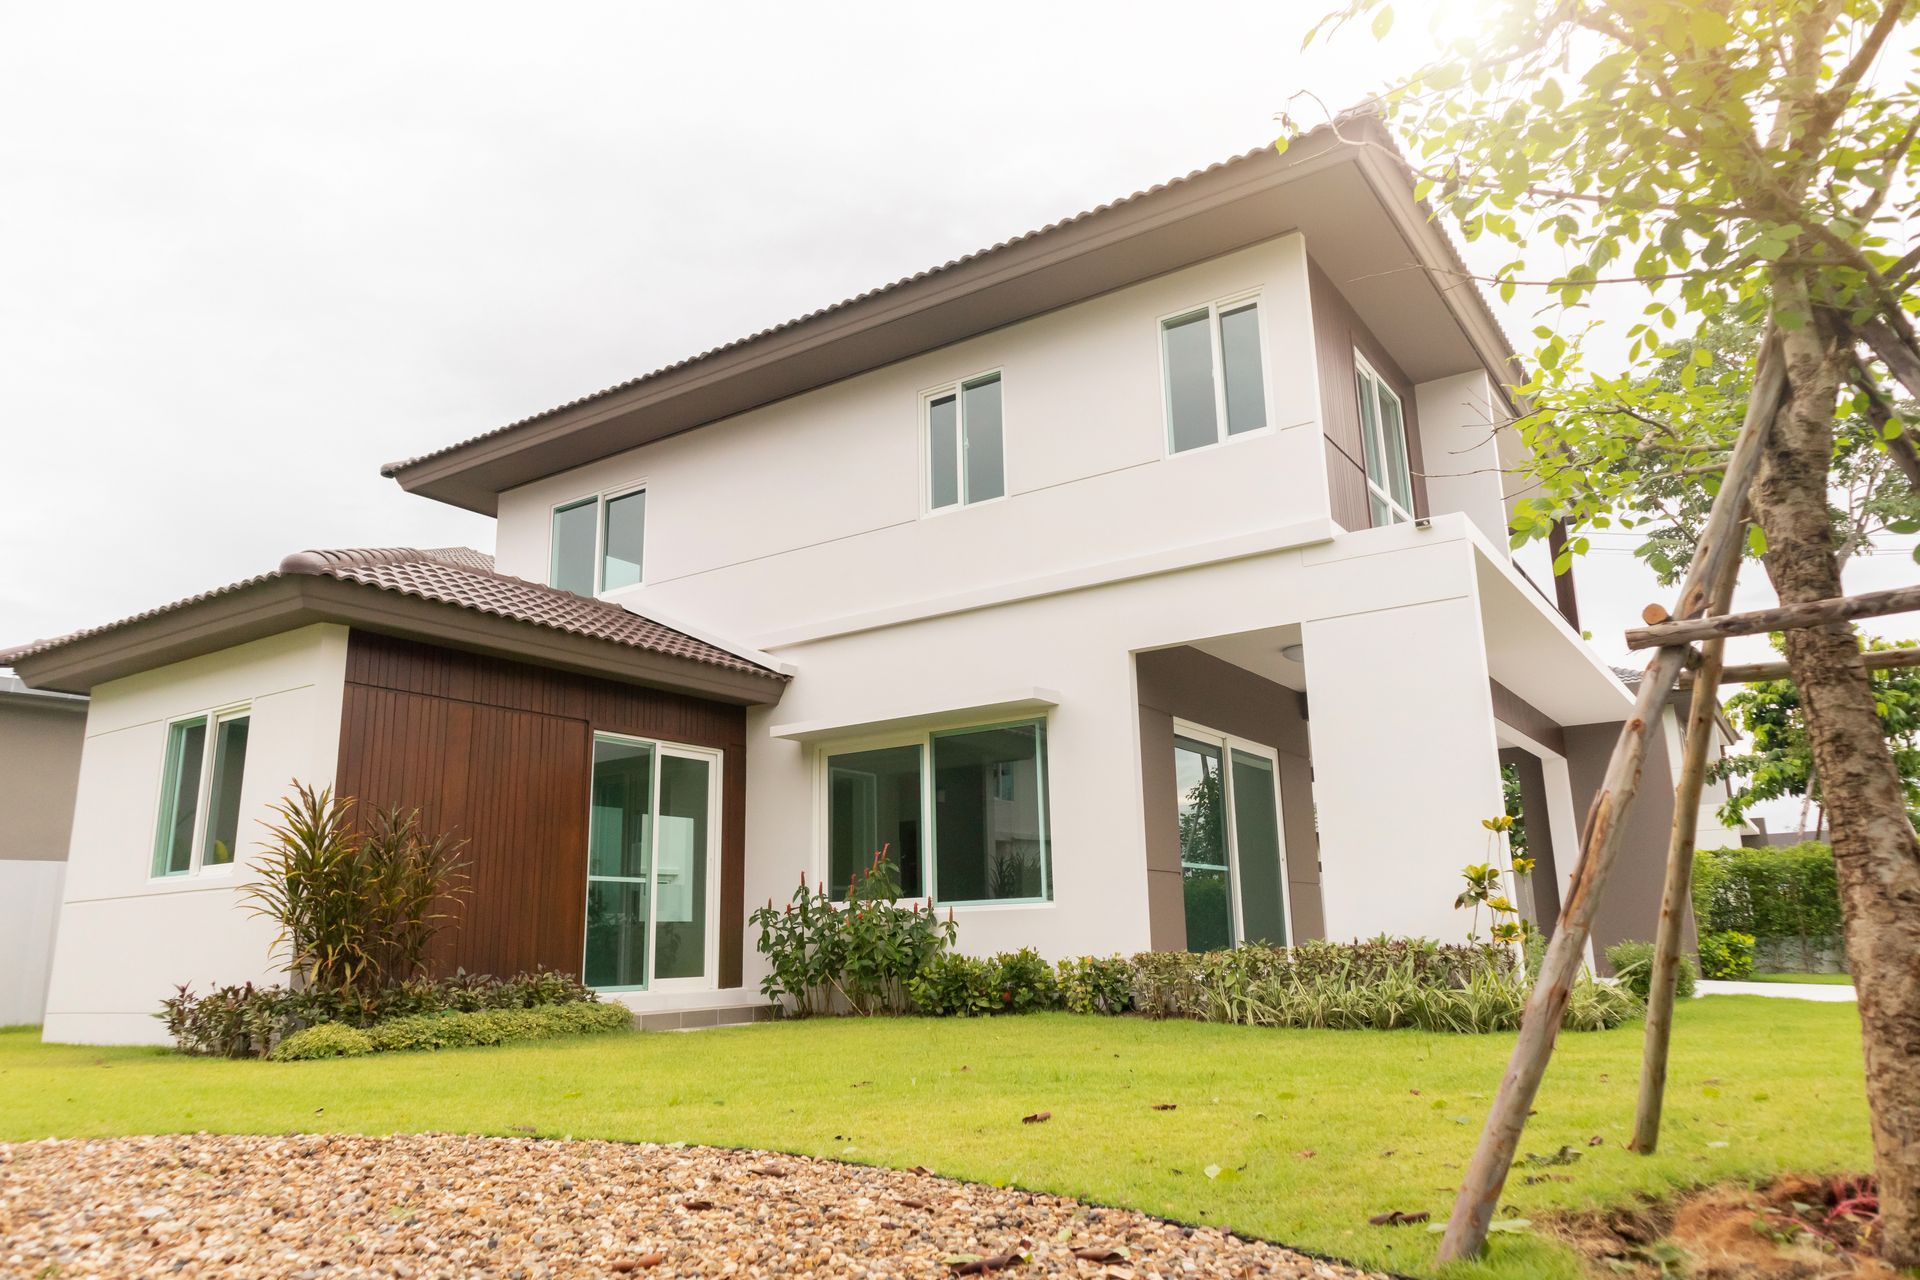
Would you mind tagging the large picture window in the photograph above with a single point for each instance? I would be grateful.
(985, 789)
(1214, 374)
(205, 764)
(966, 449)
(599, 543)
(1383, 438)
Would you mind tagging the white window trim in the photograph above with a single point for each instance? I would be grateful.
(202, 815)
(954, 389)
(1403, 515)
(1229, 744)
(716, 764)
(600, 501)
(1221, 436)
(930, 853)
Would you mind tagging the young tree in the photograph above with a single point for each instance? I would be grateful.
(1749, 161)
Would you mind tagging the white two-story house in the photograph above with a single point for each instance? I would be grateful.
(1139, 582)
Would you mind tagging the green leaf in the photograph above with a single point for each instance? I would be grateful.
(1383, 22)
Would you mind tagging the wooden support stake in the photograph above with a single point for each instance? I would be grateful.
(1486, 1175)
(1703, 712)
(1786, 617)
(1748, 672)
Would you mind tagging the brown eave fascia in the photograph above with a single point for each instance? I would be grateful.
(286, 603)
(1393, 183)
(441, 475)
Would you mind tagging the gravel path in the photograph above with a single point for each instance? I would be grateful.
(434, 1205)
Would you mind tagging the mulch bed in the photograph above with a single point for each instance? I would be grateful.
(1793, 1228)
(526, 1209)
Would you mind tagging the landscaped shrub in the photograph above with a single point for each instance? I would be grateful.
(862, 956)
(497, 1026)
(1633, 965)
(956, 986)
(356, 905)
(1598, 1006)
(1095, 984)
(327, 1040)
(1727, 955)
(1027, 982)
(1379, 985)
(247, 1021)
(1778, 894)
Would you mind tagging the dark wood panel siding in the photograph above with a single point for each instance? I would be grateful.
(501, 753)
(1337, 333)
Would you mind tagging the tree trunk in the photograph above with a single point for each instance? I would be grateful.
(1876, 856)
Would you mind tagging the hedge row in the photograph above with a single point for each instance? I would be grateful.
(1776, 893)
(452, 1031)
(1378, 985)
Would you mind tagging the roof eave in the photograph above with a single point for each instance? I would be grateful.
(285, 603)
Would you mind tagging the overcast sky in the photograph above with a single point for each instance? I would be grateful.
(248, 253)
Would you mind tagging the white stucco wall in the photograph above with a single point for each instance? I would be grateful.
(812, 508)
(1396, 826)
(125, 938)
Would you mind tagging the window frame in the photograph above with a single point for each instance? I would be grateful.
(923, 738)
(1378, 488)
(1223, 434)
(957, 388)
(601, 500)
(1228, 744)
(715, 758)
(197, 865)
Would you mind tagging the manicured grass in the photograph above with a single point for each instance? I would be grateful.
(1817, 979)
(1311, 1131)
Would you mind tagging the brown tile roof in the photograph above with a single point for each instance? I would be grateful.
(465, 579)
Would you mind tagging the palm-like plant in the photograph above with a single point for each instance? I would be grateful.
(356, 909)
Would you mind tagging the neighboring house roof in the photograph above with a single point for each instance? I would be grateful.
(1345, 185)
(13, 688)
(409, 592)
(1680, 699)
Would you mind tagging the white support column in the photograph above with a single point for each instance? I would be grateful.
(1405, 765)
(1563, 823)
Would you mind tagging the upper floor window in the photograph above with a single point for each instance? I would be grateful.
(966, 457)
(961, 813)
(1214, 373)
(598, 543)
(200, 793)
(1383, 436)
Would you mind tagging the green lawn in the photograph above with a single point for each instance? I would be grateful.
(1311, 1131)
(1818, 979)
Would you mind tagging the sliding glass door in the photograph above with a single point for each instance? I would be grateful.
(1233, 867)
(651, 842)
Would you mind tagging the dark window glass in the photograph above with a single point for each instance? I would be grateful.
(573, 546)
(626, 540)
(1189, 356)
(987, 848)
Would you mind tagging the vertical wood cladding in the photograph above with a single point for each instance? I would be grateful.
(501, 754)
(1337, 333)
